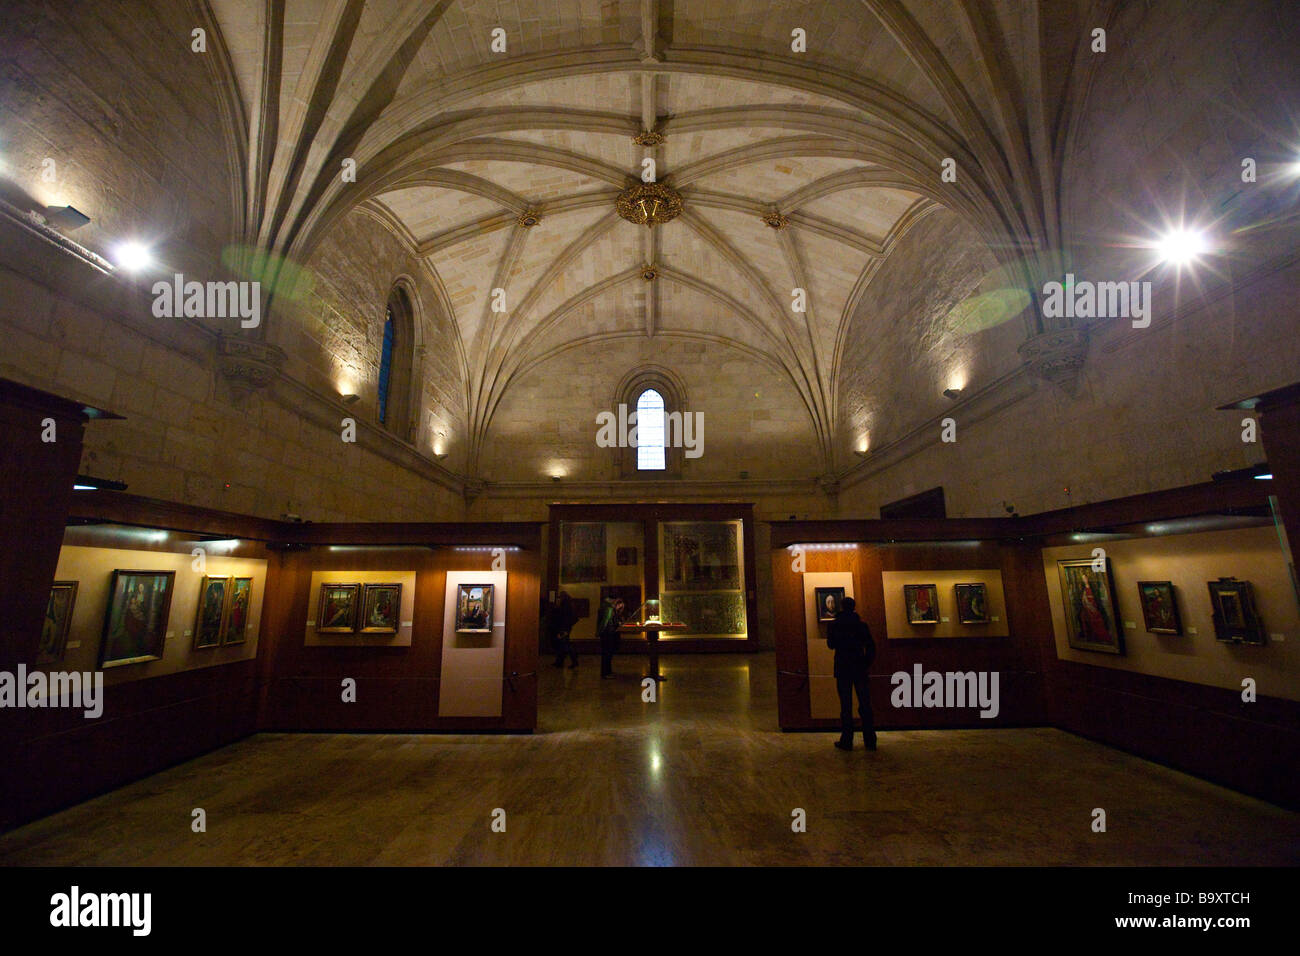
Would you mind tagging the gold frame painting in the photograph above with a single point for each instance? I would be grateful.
(207, 632)
(972, 602)
(354, 590)
(135, 617)
(1090, 608)
(910, 604)
(58, 621)
(238, 611)
(391, 617)
(481, 622)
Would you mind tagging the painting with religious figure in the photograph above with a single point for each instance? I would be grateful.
(922, 601)
(241, 598)
(1159, 609)
(582, 552)
(828, 601)
(135, 621)
(474, 608)
(338, 608)
(58, 619)
(972, 603)
(1088, 595)
(381, 608)
(211, 612)
(701, 556)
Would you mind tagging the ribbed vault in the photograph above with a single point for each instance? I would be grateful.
(799, 170)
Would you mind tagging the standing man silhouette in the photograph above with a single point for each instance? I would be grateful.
(850, 638)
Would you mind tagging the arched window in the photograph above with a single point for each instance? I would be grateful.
(396, 365)
(386, 365)
(658, 397)
(650, 432)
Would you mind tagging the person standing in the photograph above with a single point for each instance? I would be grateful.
(611, 615)
(850, 638)
(563, 617)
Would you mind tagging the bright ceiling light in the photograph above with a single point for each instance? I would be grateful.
(133, 256)
(1181, 246)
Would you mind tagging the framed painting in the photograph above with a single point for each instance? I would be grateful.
(828, 601)
(381, 608)
(135, 620)
(474, 608)
(241, 599)
(700, 556)
(338, 608)
(210, 615)
(1236, 620)
(972, 603)
(624, 557)
(922, 602)
(709, 615)
(1159, 608)
(58, 619)
(582, 552)
(1091, 618)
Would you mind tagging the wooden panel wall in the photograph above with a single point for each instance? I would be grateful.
(1016, 658)
(397, 687)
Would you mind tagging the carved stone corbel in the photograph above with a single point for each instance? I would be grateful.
(248, 364)
(1057, 356)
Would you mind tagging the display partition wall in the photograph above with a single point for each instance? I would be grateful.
(695, 561)
(1102, 620)
(209, 626)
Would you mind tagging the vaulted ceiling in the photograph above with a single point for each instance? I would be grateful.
(798, 168)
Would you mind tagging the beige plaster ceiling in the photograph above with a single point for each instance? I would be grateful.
(454, 142)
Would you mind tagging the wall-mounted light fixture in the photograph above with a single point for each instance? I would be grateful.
(87, 483)
(65, 217)
(350, 398)
(952, 393)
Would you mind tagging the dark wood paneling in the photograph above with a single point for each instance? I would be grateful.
(1015, 658)
(397, 687)
(147, 725)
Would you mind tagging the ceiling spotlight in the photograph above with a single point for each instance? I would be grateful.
(1181, 246)
(953, 393)
(133, 256)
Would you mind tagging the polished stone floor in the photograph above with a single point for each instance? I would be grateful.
(701, 777)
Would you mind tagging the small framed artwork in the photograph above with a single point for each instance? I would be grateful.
(338, 608)
(1091, 621)
(581, 608)
(972, 603)
(624, 556)
(58, 619)
(135, 621)
(1236, 621)
(828, 601)
(381, 608)
(210, 615)
(241, 599)
(474, 608)
(1159, 608)
(922, 601)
